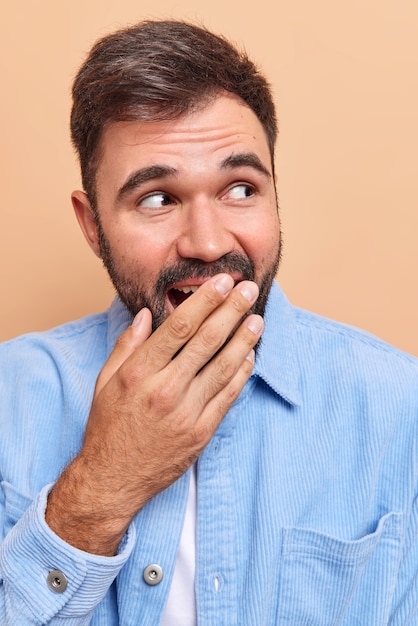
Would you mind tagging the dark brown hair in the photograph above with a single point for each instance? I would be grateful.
(159, 70)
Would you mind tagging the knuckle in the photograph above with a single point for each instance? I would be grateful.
(120, 341)
(180, 423)
(181, 327)
(130, 376)
(225, 368)
(230, 398)
(220, 375)
(163, 399)
(212, 297)
(246, 336)
(238, 302)
(249, 338)
(231, 393)
(210, 337)
(201, 435)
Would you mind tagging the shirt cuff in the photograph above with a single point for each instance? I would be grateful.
(46, 577)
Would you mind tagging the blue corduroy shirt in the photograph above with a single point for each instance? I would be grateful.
(307, 509)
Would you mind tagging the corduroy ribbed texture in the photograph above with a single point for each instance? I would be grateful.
(306, 495)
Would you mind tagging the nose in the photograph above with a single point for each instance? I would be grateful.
(205, 234)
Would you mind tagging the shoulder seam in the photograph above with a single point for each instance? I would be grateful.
(307, 319)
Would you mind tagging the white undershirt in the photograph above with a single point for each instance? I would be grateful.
(181, 604)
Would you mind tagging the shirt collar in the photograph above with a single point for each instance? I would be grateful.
(276, 362)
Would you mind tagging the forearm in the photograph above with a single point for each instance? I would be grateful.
(85, 511)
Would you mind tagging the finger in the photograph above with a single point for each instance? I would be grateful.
(216, 408)
(185, 321)
(126, 344)
(222, 369)
(215, 330)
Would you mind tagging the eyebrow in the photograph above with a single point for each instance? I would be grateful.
(143, 175)
(154, 172)
(245, 159)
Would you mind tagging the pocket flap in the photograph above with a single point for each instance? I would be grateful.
(323, 580)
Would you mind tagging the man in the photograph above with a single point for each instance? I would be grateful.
(209, 475)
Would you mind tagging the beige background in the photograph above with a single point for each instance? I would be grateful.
(346, 80)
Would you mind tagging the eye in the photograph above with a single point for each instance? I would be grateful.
(156, 200)
(240, 192)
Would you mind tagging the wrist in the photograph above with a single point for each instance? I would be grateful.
(84, 516)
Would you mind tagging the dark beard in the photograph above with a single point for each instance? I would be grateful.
(135, 298)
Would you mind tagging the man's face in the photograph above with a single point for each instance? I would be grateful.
(182, 200)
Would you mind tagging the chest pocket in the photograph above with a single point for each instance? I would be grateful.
(14, 505)
(328, 582)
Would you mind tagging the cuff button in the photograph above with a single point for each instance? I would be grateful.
(153, 574)
(57, 581)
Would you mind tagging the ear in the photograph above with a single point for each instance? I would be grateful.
(85, 217)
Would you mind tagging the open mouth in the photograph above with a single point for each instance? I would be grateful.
(178, 295)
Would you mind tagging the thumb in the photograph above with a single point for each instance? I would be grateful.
(131, 339)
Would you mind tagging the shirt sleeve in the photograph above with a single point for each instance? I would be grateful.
(43, 580)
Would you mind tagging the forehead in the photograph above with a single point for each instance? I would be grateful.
(201, 138)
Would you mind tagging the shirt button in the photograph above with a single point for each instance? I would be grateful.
(57, 581)
(153, 574)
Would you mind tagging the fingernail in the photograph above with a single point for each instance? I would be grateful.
(251, 356)
(224, 284)
(255, 324)
(138, 318)
(249, 290)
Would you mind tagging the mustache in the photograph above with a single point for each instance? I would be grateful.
(233, 262)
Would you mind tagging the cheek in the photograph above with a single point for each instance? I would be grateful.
(263, 243)
(139, 256)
